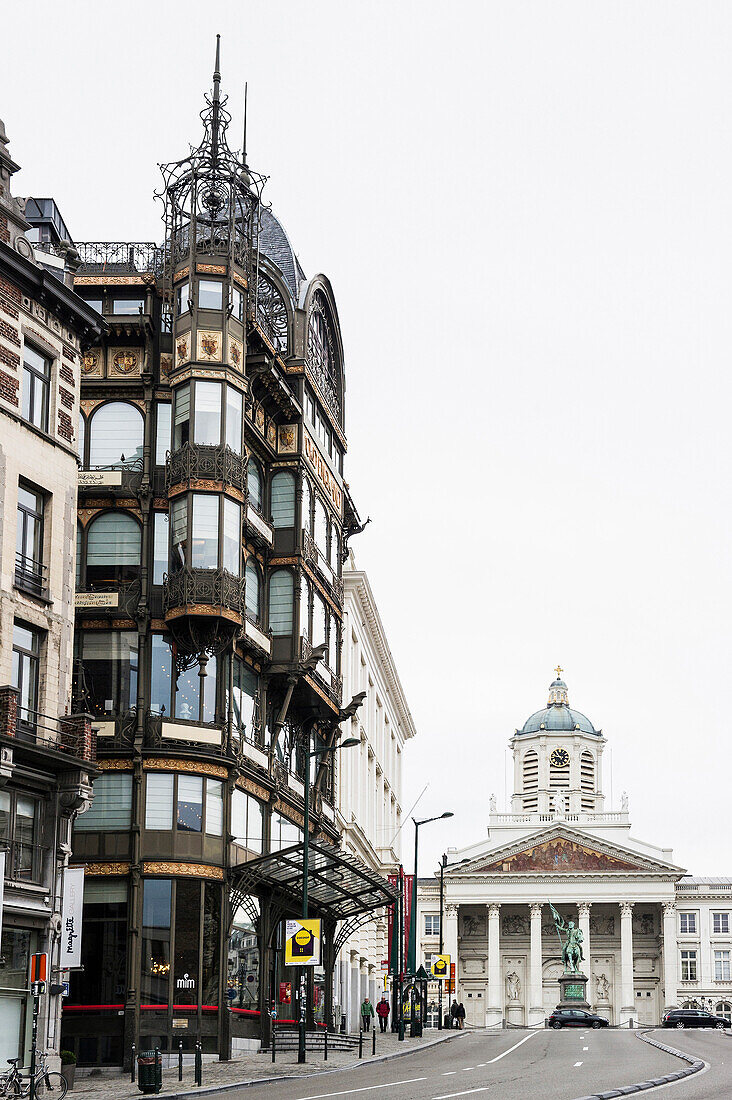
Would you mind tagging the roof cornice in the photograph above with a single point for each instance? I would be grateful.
(40, 284)
(357, 583)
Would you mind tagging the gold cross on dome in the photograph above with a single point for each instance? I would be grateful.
(559, 670)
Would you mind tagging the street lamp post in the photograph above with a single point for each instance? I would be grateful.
(412, 953)
(310, 755)
(443, 865)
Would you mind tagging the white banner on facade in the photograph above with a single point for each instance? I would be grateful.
(2, 886)
(71, 917)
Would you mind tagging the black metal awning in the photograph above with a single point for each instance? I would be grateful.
(340, 885)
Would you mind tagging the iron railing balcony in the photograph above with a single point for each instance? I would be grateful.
(192, 588)
(30, 575)
(203, 462)
(315, 558)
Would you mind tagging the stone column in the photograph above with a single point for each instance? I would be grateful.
(536, 989)
(670, 956)
(583, 909)
(450, 934)
(494, 1011)
(627, 999)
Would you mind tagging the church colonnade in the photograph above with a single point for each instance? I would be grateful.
(505, 995)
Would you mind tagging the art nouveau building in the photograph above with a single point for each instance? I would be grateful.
(653, 937)
(212, 523)
(46, 754)
(369, 789)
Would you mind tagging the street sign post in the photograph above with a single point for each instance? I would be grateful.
(38, 979)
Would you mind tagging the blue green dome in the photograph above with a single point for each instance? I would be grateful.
(557, 715)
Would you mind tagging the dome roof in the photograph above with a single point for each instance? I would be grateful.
(275, 244)
(557, 715)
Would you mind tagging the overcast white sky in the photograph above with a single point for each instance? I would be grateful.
(526, 213)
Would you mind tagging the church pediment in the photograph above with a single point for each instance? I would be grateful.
(562, 850)
(561, 854)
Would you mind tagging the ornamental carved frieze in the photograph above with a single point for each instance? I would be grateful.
(94, 869)
(253, 788)
(236, 352)
(115, 765)
(181, 274)
(211, 269)
(166, 764)
(183, 349)
(560, 854)
(185, 870)
(473, 926)
(125, 362)
(515, 924)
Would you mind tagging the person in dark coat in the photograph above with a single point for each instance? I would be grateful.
(461, 1015)
(454, 1009)
(382, 1011)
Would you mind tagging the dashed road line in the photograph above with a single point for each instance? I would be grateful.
(576, 1064)
(585, 1048)
(367, 1088)
(449, 1095)
(449, 1073)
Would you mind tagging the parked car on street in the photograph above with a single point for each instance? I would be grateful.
(576, 1017)
(693, 1017)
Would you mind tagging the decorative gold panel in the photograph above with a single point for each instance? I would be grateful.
(287, 441)
(182, 349)
(107, 869)
(209, 346)
(236, 352)
(92, 364)
(114, 765)
(125, 362)
(164, 763)
(189, 870)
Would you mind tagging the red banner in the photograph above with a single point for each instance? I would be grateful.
(393, 915)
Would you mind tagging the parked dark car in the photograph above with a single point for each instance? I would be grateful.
(576, 1017)
(693, 1017)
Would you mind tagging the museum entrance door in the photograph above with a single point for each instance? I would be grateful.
(645, 1003)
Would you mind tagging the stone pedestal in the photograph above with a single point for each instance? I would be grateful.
(573, 991)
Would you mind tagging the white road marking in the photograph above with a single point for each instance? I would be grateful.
(449, 1073)
(509, 1051)
(576, 1064)
(468, 1069)
(367, 1088)
(585, 1048)
(447, 1096)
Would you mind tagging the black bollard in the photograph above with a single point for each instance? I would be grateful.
(373, 1042)
(360, 1043)
(180, 1060)
(325, 1046)
(199, 1064)
(158, 1062)
(133, 1063)
(274, 1032)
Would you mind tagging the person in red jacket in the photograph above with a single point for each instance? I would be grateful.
(382, 1011)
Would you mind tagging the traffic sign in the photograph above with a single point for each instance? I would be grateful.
(440, 966)
(302, 942)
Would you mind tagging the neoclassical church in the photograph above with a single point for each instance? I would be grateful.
(653, 936)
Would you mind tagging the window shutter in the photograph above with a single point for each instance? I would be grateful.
(283, 499)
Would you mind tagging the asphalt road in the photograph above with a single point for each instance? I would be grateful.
(712, 1047)
(505, 1065)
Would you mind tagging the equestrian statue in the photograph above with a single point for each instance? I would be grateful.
(572, 954)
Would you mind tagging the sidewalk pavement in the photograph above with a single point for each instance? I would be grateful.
(252, 1069)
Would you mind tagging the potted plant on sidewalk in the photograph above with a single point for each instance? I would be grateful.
(68, 1067)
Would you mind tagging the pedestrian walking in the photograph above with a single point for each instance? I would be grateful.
(382, 1011)
(454, 1009)
(367, 1011)
(461, 1015)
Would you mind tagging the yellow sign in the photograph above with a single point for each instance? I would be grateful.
(440, 966)
(302, 942)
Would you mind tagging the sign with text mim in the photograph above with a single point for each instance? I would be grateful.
(71, 917)
(302, 942)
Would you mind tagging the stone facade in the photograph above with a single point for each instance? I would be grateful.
(369, 780)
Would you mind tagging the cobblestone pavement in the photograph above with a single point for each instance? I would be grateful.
(254, 1067)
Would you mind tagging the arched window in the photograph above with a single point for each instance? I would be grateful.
(82, 437)
(724, 1008)
(79, 550)
(254, 484)
(112, 549)
(321, 352)
(304, 606)
(335, 549)
(321, 527)
(307, 507)
(252, 590)
(117, 431)
(282, 497)
(281, 601)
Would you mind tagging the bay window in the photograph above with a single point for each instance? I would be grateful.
(234, 418)
(237, 304)
(246, 687)
(252, 591)
(281, 609)
(210, 294)
(112, 806)
(18, 827)
(283, 499)
(189, 803)
(162, 436)
(180, 698)
(304, 606)
(254, 484)
(205, 415)
(232, 537)
(179, 532)
(211, 526)
(128, 307)
(159, 800)
(205, 533)
(182, 296)
(161, 527)
(247, 821)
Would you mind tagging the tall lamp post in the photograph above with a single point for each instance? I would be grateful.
(443, 865)
(412, 952)
(314, 754)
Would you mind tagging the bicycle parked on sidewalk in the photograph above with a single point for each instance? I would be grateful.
(48, 1083)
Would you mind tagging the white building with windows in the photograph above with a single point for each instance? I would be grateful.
(653, 937)
(369, 811)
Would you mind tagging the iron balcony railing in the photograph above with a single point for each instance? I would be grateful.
(121, 256)
(60, 734)
(197, 461)
(214, 587)
(30, 575)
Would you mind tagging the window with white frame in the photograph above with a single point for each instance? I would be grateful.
(721, 966)
(688, 966)
(720, 923)
(247, 821)
(432, 924)
(112, 805)
(687, 923)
